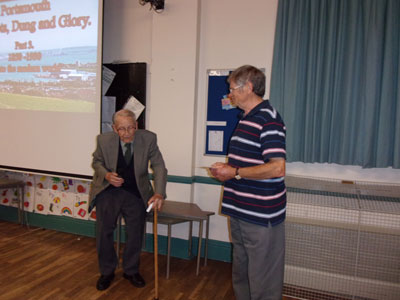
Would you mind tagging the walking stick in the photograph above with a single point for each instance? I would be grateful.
(155, 254)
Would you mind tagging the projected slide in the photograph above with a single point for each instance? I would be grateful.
(49, 55)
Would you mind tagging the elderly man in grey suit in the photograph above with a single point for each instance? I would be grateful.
(121, 185)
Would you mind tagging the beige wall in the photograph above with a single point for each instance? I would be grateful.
(179, 45)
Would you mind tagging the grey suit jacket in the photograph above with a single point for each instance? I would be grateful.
(145, 150)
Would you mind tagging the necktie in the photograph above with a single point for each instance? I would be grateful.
(128, 152)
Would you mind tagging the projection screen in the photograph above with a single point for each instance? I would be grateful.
(50, 84)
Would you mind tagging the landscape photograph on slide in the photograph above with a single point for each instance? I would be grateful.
(49, 55)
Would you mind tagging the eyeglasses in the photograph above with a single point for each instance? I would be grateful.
(123, 129)
(235, 88)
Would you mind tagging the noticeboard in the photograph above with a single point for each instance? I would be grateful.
(222, 118)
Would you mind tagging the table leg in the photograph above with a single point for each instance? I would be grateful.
(199, 248)
(24, 215)
(190, 238)
(20, 206)
(144, 235)
(169, 249)
(206, 243)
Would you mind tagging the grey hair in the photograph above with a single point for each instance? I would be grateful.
(124, 113)
(251, 74)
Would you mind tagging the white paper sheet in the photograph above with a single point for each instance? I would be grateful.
(215, 140)
(107, 108)
(134, 105)
(108, 77)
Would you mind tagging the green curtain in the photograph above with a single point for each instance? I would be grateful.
(335, 80)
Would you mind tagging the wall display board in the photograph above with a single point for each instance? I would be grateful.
(130, 80)
(222, 117)
(50, 85)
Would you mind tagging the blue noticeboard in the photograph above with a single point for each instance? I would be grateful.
(220, 122)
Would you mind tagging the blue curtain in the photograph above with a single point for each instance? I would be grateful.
(335, 80)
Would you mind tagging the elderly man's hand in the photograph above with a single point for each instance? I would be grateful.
(114, 179)
(158, 201)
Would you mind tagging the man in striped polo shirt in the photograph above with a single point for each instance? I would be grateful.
(255, 193)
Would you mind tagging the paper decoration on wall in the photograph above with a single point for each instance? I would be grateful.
(65, 185)
(54, 204)
(79, 203)
(92, 215)
(67, 204)
(50, 195)
(82, 187)
(29, 198)
(61, 203)
(5, 197)
(66, 211)
(42, 182)
(29, 183)
(82, 213)
(42, 201)
(81, 206)
(14, 201)
(58, 184)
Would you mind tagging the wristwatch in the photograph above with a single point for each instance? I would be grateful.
(237, 176)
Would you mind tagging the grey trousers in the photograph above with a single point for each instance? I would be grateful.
(109, 205)
(258, 260)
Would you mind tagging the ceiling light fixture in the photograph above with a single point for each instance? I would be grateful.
(156, 5)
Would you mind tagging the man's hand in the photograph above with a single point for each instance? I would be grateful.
(222, 171)
(158, 200)
(114, 179)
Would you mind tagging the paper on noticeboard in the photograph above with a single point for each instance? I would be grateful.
(107, 111)
(226, 103)
(215, 140)
(134, 105)
(108, 77)
(107, 108)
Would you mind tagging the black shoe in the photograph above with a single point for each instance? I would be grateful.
(104, 282)
(136, 279)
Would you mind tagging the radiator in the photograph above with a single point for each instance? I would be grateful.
(342, 240)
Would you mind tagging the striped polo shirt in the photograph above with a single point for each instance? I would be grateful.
(259, 136)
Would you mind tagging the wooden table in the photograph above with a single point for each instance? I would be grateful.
(169, 222)
(189, 212)
(7, 183)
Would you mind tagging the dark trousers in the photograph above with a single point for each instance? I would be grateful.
(109, 205)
